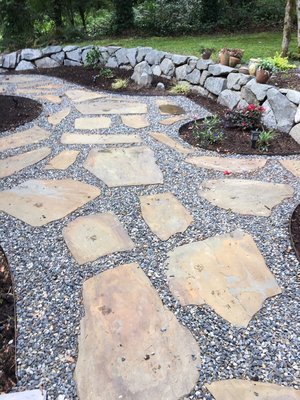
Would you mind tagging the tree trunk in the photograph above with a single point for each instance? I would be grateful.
(82, 16)
(57, 14)
(287, 27)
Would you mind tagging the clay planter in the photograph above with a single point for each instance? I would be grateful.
(233, 61)
(262, 76)
(206, 55)
(224, 58)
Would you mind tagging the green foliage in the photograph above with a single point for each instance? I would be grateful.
(124, 18)
(208, 131)
(264, 140)
(180, 88)
(92, 57)
(120, 84)
(106, 73)
(267, 65)
(281, 63)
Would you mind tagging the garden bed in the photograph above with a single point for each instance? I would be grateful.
(295, 230)
(287, 79)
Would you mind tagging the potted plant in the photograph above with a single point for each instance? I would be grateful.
(235, 56)
(264, 70)
(206, 52)
(224, 56)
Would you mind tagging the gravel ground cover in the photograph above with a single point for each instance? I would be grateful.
(49, 281)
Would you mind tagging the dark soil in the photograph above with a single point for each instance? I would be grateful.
(289, 79)
(7, 328)
(295, 230)
(16, 111)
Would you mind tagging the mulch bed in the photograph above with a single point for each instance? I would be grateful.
(7, 328)
(16, 111)
(295, 230)
(289, 79)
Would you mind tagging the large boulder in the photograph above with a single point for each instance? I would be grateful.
(142, 52)
(111, 63)
(220, 70)
(205, 74)
(156, 70)
(131, 55)
(181, 72)
(10, 60)
(204, 64)
(194, 77)
(268, 117)
(229, 98)
(47, 51)
(297, 115)
(74, 55)
(154, 57)
(167, 67)
(259, 90)
(142, 74)
(69, 48)
(25, 65)
(121, 56)
(283, 110)
(112, 49)
(59, 57)
(295, 133)
(192, 63)
(31, 54)
(71, 63)
(178, 59)
(215, 85)
(293, 96)
(46, 62)
(236, 80)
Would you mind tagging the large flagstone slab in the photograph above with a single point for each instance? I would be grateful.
(169, 108)
(245, 196)
(94, 236)
(19, 139)
(165, 139)
(36, 394)
(111, 106)
(172, 120)
(74, 138)
(11, 165)
(92, 123)
(52, 98)
(135, 121)
(165, 215)
(56, 118)
(292, 165)
(234, 165)
(63, 160)
(38, 202)
(238, 389)
(124, 166)
(79, 95)
(136, 348)
(227, 272)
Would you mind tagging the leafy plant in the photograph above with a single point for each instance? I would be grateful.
(92, 57)
(281, 63)
(119, 84)
(246, 118)
(208, 131)
(180, 88)
(264, 140)
(267, 65)
(106, 73)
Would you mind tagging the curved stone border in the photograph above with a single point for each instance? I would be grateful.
(224, 84)
(290, 232)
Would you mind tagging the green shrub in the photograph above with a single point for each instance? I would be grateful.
(208, 131)
(120, 84)
(281, 63)
(264, 140)
(180, 88)
(92, 57)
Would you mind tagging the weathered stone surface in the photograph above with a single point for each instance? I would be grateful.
(247, 197)
(215, 85)
(135, 121)
(59, 57)
(69, 48)
(156, 70)
(51, 98)
(142, 74)
(46, 62)
(94, 236)
(194, 77)
(121, 56)
(63, 160)
(293, 96)
(205, 74)
(248, 95)
(31, 54)
(268, 117)
(291, 165)
(192, 64)
(203, 64)
(234, 165)
(124, 166)
(229, 98)
(131, 55)
(111, 106)
(74, 138)
(238, 389)
(259, 90)
(297, 115)
(236, 80)
(159, 351)
(26, 395)
(74, 55)
(220, 70)
(179, 59)
(71, 63)
(92, 123)
(47, 51)
(80, 95)
(168, 141)
(227, 272)
(181, 72)
(283, 110)
(166, 108)
(30, 136)
(24, 66)
(38, 202)
(165, 215)
(295, 133)
(160, 86)
(10, 60)
(10, 165)
(167, 67)
(56, 118)
(142, 52)
(172, 120)
(154, 57)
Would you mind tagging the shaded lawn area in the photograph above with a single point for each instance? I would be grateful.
(263, 44)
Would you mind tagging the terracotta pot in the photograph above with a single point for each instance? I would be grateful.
(206, 55)
(262, 76)
(233, 61)
(224, 58)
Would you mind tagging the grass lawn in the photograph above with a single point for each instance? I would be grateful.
(261, 44)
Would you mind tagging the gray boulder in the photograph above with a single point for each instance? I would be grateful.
(204, 64)
(181, 72)
(46, 62)
(10, 60)
(1, 61)
(47, 51)
(131, 55)
(167, 67)
(112, 62)
(283, 110)
(71, 63)
(258, 89)
(142, 74)
(205, 74)
(74, 55)
(154, 57)
(104, 56)
(199, 90)
(215, 85)
(295, 133)
(293, 96)
(142, 52)
(191, 64)
(112, 49)
(220, 70)
(160, 86)
(268, 117)
(156, 70)
(229, 98)
(31, 54)
(297, 115)
(58, 57)
(25, 65)
(178, 59)
(194, 77)
(236, 80)
(69, 48)
(121, 56)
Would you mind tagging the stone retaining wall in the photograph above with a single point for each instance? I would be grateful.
(224, 84)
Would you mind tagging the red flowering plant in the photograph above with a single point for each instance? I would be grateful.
(247, 118)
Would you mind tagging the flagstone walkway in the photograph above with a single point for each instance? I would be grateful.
(141, 270)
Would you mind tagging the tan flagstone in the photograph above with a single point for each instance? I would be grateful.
(243, 196)
(135, 345)
(38, 202)
(74, 138)
(51, 98)
(234, 165)
(292, 165)
(79, 95)
(111, 106)
(164, 214)
(172, 120)
(19, 139)
(15, 79)
(167, 108)
(50, 86)
(92, 123)
(165, 139)
(56, 118)
(124, 166)
(238, 389)
(11, 165)
(94, 236)
(135, 121)
(63, 160)
(227, 272)
(29, 90)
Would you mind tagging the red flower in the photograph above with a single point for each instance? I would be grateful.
(251, 107)
(227, 172)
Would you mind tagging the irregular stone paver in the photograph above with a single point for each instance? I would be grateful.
(27, 395)
(11, 165)
(165, 139)
(165, 215)
(292, 165)
(238, 389)
(38, 202)
(124, 166)
(168, 108)
(63, 160)
(50, 86)
(73, 138)
(245, 196)
(78, 95)
(135, 121)
(111, 106)
(94, 236)
(51, 98)
(92, 123)
(136, 346)
(172, 120)
(234, 165)
(227, 272)
(19, 139)
(56, 118)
